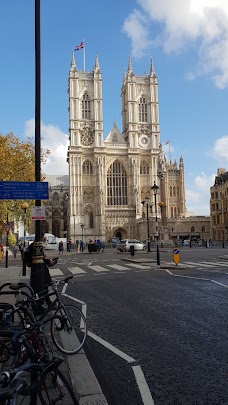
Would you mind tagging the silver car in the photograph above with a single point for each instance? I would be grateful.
(124, 245)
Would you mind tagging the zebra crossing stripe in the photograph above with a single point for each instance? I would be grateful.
(55, 272)
(76, 270)
(222, 264)
(98, 269)
(139, 266)
(118, 267)
(200, 264)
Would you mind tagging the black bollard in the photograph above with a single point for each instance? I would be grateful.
(38, 269)
(158, 255)
(132, 250)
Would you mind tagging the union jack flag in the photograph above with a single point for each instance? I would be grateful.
(80, 46)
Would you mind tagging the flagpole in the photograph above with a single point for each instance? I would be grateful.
(84, 53)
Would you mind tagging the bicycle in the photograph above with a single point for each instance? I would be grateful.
(68, 328)
(49, 385)
(70, 331)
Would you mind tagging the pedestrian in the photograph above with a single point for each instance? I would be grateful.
(70, 245)
(77, 245)
(81, 245)
(61, 248)
(14, 252)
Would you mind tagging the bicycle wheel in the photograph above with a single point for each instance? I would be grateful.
(56, 389)
(69, 335)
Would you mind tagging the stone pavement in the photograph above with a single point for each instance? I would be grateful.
(76, 367)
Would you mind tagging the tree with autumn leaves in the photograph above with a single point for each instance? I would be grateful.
(17, 163)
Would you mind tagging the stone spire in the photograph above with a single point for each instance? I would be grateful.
(152, 72)
(73, 64)
(130, 70)
(97, 66)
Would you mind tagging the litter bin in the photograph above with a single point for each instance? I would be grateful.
(132, 250)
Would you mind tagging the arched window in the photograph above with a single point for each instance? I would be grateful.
(171, 191)
(174, 191)
(142, 110)
(86, 112)
(192, 229)
(91, 220)
(116, 184)
(144, 167)
(171, 212)
(203, 229)
(87, 168)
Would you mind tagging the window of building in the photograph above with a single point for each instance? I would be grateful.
(117, 184)
(87, 168)
(86, 112)
(91, 220)
(174, 191)
(171, 191)
(142, 110)
(192, 229)
(144, 167)
(203, 229)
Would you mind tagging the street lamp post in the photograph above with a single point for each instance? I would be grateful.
(25, 205)
(146, 202)
(155, 189)
(7, 241)
(82, 226)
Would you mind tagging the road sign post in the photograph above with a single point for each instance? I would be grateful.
(176, 255)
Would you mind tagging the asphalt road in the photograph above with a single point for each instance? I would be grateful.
(157, 336)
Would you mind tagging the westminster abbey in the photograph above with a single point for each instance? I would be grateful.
(111, 175)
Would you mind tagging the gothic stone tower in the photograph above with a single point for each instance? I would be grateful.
(108, 179)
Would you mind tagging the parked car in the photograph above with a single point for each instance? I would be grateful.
(124, 245)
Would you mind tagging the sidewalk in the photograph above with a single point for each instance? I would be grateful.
(76, 367)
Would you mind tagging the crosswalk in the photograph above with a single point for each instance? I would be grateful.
(108, 268)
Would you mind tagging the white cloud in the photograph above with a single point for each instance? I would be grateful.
(203, 23)
(56, 141)
(198, 201)
(220, 149)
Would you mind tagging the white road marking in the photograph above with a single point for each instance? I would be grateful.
(139, 376)
(114, 349)
(117, 267)
(98, 268)
(55, 272)
(168, 271)
(222, 264)
(216, 282)
(138, 266)
(194, 264)
(143, 386)
(76, 270)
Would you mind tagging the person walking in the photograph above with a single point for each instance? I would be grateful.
(77, 245)
(61, 248)
(14, 252)
(81, 246)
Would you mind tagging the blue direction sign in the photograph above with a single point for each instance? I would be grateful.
(23, 190)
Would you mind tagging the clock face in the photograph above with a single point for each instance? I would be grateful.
(87, 139)
(144, 141)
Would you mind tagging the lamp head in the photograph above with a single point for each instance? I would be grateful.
(155, 188)
(24, 205)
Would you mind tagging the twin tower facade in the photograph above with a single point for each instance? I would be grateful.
(111, 175)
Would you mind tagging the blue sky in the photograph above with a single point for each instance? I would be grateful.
(188, 41)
